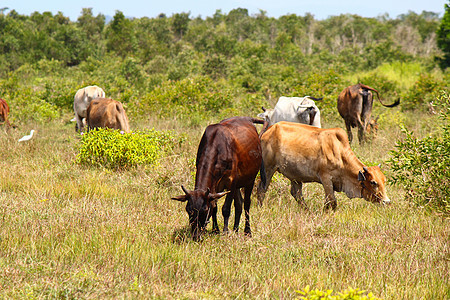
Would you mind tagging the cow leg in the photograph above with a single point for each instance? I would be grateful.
(237, 209)
(226, 209)
(296, 192)
(214, 219)
(349, 131)
(330, 199)
(361, 129)
(247, 202)
(261, 189)
(79, 125)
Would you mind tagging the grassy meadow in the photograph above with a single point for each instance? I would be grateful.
(71, 231)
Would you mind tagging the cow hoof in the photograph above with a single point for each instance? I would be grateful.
(248, 232)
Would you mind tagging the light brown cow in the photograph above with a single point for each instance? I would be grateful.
(355, 107)
(105, 112)
(81, 102)
(4, 112)
(304, 153)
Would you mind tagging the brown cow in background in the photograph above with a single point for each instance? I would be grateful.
(107, 113)
(4, 112)
(355, 107)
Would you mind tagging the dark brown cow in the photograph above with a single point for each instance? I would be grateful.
(105, 112)
(355, 107)
(228, 158)
(4, 112)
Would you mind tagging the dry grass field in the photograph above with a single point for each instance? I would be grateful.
(70, 231)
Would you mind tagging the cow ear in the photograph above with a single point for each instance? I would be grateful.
(361, 176)
(182, 198)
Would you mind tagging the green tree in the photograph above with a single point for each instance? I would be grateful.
(180, 23)
(443, 38)
(120, 35)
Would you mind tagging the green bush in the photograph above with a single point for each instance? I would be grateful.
(422, 92)
(348, 294)
(198, 95)
(115, 149)
(421, 166)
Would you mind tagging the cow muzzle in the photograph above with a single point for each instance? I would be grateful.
(386, 201)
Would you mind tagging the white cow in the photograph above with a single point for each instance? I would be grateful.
(293, 109)
(81, 102)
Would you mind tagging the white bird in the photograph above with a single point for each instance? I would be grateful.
(27, 137)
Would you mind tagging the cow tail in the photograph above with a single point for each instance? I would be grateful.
(378, 96)
(259, 121)
(122, 118)
(262, 174)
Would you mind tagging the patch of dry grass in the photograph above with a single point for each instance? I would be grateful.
(76, 232)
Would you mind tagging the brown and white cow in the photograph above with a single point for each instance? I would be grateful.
(228, 158)
(304, 153)
(81, 102)
(107, 113)
(4, 112)
(355, 107)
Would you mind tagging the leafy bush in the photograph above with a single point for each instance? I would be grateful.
(115, 149)
(422, 92)
(192, 96)
(348, 294)
(421, 166)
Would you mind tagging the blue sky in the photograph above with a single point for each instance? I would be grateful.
(321, 9)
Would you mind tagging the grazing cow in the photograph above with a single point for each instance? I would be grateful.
(228, 158)
(372, 128)
(81, 102)
(4, 112)
(355, 107)
(307, 154)
(109, 113)
(293, 109)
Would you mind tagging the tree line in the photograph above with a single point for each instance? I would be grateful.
(355, 42)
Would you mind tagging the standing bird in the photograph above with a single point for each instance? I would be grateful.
(27, 137)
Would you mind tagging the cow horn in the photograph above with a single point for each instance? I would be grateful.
(184, 190)
(361, 176)
(207, 192)
(263, 108)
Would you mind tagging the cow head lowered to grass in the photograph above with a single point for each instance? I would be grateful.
(305, 153)
(200, 204)
(228, 158)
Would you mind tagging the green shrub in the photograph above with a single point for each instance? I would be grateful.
(191, 96)
(424, 91)
(422, 166)
(115, 149)
(348, 294)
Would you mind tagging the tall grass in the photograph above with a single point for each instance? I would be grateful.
(70, 231)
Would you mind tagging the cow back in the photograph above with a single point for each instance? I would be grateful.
(107, 113)
(304, 152)
(229, 153)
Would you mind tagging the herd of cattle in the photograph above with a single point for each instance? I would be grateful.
(231, 153)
